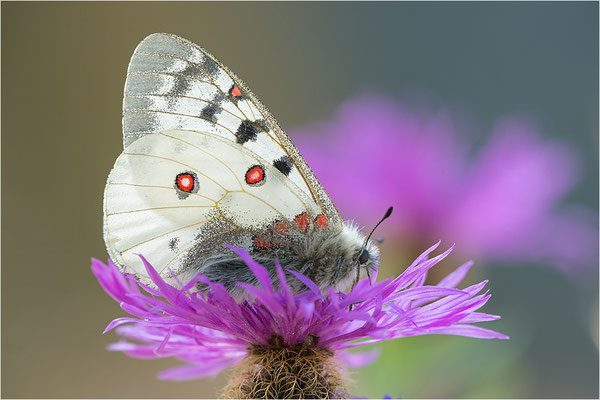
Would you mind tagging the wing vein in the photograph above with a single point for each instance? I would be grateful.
(211, 155)
(186, 97)
(159, 187)
(154, 208)
(167, 233)
(177, 162)
(196, 243)
(268, 166)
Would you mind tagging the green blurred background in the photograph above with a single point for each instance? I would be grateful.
(63, 70)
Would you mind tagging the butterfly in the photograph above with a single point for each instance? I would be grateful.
(205, 164)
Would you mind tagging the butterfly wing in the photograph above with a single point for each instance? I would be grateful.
(177, 196)
(174, 84)
(204, 164)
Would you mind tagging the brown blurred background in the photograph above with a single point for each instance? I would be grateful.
(63, 70)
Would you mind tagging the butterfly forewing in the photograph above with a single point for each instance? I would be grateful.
(174, 84)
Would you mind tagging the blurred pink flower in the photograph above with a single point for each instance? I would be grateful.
(501, 203)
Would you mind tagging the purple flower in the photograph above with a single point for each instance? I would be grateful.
(501, 203)
(211, 331)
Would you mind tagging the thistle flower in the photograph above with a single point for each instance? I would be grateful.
(289, 345)
(500, 204)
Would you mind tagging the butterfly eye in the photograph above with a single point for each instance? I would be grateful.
(364, 256)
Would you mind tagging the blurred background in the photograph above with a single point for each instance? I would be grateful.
(63, 71)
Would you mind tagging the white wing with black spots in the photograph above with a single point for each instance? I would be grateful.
(175, 84)
(233, 197)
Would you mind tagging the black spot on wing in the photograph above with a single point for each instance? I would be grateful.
(248, 130)
(180, 86)
(218, 98)
(173, 244)
(262, 124)
(182, 83)
(209, 113)
(210, 67)
(193, 70)
(284, 165)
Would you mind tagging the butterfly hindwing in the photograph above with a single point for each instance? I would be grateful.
(177, 195)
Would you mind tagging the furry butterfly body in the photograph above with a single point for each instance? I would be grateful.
(205, 164)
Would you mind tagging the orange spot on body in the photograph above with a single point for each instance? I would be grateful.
(236, 92)
(282, 228)
(302, 221)
(321, 220)
(260, 243)
(255, 175)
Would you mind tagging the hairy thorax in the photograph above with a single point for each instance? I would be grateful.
(328, 259)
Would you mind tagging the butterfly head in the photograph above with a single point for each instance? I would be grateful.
(366, 256)
(357, 259)
(338, 260)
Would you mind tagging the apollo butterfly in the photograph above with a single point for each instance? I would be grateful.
(205, 164)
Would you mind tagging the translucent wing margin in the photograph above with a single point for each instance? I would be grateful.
(174, 84)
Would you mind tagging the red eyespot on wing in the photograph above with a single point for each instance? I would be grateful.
(185, 182)
(235, 91)
(302, 221)
(321, 220)
(255, 174)
(281, 228)
(262, 244)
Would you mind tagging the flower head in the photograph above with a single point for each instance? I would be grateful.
(500, 204)
(211, 331)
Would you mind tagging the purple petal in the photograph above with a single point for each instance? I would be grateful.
(210, 331)
(309, 284)
(359, 360)
(470, 331)
(259, 271)
(455, 277)
(196, 370)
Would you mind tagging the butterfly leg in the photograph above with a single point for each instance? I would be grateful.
(337, 273)
(357, 273)
(305, 267)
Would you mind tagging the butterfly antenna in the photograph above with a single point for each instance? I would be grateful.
(337, 274)
(385, 216)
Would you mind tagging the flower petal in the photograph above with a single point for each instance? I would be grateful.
(211, 330)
